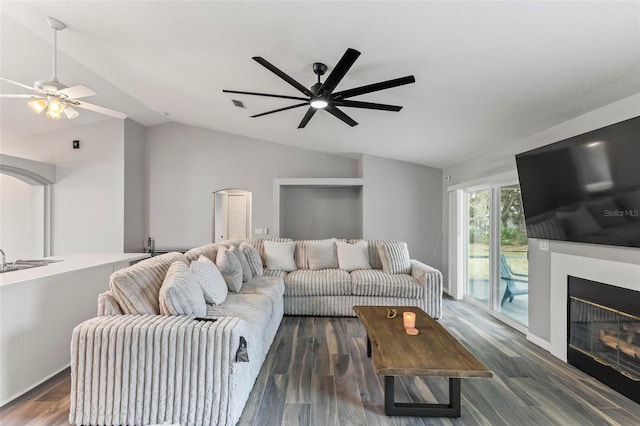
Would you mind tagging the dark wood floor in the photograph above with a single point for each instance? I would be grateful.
(317, 373)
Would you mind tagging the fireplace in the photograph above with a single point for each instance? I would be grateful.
(603, 333)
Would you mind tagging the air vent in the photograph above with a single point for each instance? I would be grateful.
(237, 103)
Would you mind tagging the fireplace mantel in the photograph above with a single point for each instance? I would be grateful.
(619, 274)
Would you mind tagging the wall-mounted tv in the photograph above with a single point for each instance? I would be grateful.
(586, 188)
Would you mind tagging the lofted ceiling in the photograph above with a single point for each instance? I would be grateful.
(487, 73)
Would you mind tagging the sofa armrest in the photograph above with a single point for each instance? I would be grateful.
(142, 369)
(431, 279)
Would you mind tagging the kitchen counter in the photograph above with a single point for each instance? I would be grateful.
(69, 263)
(39, 307)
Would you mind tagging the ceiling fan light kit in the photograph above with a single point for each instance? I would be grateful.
(322, 96)
(53, 96)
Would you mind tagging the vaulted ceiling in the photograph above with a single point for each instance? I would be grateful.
(487, 73)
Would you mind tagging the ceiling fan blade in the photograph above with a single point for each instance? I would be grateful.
(101, 110)
(374, 87)
(16, 83)
(341, 115)
(266, 94)
(341, 68)
(19, 96)
(282, 75)
(79, 91)
(366, 105)
(310, 112)
(280, 109)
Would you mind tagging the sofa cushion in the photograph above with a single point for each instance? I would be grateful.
(374, 257)
(327, 282)
(254, 308)
(208, 250)
(180, 293)
(108, 305)
(322, 254)
(214, 287)
(230, 268)
(353, 256)
(374, 282)
(253, 257)
(137, 287)
(270, 286)
(275, 273)
(280, 255)
(246, 269)
(394, 257)
(258, 243)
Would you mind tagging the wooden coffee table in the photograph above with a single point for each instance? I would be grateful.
(433, 352)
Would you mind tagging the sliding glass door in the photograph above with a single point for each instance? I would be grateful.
(478, 226)
(496, 251)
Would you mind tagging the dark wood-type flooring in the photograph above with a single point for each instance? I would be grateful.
(317, 373)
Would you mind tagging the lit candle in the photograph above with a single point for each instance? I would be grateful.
(409, 319)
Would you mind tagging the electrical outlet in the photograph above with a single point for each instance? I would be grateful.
(76, 144)
(544, 245)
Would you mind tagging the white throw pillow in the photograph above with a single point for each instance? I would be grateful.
(253, 257)
(279, 256)
(322, 254)
(353, 256)
(213, 285)
(180, 293)
(247, 275)
(230, 268)
(394, 257)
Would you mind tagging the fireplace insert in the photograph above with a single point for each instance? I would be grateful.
(604, 334)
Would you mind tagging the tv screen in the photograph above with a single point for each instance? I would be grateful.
(586, 188)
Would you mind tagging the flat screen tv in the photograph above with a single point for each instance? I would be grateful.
(586, 188)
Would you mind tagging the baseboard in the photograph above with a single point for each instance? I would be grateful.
(539, 342)
(22, 392)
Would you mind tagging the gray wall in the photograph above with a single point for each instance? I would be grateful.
(134, 187)
(186, 164)
(317, 213)
(478, 169)
(403, 201)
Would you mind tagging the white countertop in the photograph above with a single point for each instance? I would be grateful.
(70, 262)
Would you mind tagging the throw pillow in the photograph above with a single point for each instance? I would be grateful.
(253, 257)
(353, 256)
(180, 293)
(279, 256)
(394, 257)
(213, 285)
(322, 254)
(246, 269)
(231, 269)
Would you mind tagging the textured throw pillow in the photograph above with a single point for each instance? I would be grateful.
(246, 269)
(180, 293)
(322, 254)
(213, 285)
(279, 256)
(231, 269)
(353, 256)
(253, 257)
(394, 257)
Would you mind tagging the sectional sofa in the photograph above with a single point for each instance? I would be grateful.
(157, 353)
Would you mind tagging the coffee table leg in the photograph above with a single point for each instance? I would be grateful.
(392, 408)
(368, 346)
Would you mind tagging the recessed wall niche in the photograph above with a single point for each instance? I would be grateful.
(320, 209)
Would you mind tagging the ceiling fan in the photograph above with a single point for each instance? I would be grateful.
(58, 99)
(322, 95)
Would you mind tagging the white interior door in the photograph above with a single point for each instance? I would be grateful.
(236, 216)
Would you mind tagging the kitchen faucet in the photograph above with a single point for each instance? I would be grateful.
(3, 266)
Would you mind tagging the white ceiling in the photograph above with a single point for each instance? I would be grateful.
(488, 73)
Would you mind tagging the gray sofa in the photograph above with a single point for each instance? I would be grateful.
(148, 369)
(334, 292)
(131, 365)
